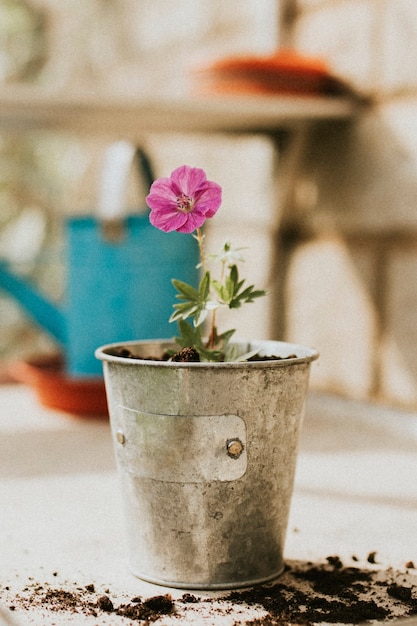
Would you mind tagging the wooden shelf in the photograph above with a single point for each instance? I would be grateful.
(31, 108)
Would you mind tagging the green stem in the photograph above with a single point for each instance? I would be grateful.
(212, 335)
(200, 239)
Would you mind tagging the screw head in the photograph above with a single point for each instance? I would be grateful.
(120, 437)
(234, 448)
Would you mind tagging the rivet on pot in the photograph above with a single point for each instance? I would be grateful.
(234, 448)
(120, 437)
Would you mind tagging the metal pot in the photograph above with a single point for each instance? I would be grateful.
(206, 454)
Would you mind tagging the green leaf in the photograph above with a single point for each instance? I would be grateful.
(219, 289)
(182, 315)
(189, 336)
(200, 316)
(234, 274)
(233, 355)
(186, 306)
(227, 335)
(211, 355)
(204, 287)
(248, 295)
(185, 291)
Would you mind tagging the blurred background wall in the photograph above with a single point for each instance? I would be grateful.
(350, 246)
(138, 49)
(354, 258)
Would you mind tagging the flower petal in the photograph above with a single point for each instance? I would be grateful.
(193, 221)
(161, 194)
(188, 179)
(167, 221)
(209, 198)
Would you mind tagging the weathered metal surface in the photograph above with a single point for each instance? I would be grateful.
(175, 448)
(197, 517)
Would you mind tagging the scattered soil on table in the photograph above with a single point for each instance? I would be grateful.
(304, 594)
(85, 601)
(333, 593)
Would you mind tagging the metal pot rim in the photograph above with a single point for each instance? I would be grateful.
(283, 349)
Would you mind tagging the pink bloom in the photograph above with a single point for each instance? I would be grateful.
(184, 201)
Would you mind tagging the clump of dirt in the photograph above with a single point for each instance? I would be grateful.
(186, 355)
(147, 610)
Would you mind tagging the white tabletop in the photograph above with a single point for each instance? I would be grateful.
(61, 524)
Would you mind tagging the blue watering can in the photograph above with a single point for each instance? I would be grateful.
(119, 271)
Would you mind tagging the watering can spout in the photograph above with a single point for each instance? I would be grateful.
(43, 312)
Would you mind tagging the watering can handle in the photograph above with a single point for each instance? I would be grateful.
(111, 209)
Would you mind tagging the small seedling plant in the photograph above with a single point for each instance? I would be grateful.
(183, 202)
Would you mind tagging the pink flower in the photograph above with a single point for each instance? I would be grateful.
(184, 201)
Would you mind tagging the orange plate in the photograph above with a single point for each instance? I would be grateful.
(283, 72)
(56, 389)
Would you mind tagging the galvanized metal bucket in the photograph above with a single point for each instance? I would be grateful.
(206, 454)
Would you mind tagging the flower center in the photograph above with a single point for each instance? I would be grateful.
(185, 203)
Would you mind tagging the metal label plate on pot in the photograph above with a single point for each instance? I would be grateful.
(177, 448)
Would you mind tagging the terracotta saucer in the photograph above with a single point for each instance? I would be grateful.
(54, 388)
